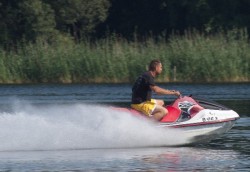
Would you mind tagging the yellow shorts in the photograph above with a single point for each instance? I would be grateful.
(146, 107)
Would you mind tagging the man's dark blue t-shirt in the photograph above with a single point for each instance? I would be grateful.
(141, 90)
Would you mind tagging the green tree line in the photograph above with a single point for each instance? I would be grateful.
(29, 20)
(113, 40)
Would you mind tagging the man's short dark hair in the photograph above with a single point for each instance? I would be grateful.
(153, 64)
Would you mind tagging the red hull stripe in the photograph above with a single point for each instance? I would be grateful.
(203, 123)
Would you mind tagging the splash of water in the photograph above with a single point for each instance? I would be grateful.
(78, 126)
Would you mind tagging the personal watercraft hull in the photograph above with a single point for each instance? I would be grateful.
(199, 121)
(202, 133)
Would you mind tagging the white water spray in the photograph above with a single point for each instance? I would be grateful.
(78, 126)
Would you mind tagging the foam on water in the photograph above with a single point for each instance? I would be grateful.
(78, 126)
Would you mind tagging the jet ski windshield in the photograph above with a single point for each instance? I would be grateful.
(209, 104)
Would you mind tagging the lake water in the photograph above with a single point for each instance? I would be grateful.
(52, 127)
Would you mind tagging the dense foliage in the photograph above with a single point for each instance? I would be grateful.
(32, 20)
(189, 58)
(113, 40)
(27, 20)
(167, 16)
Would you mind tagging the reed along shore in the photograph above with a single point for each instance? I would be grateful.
(192, 57)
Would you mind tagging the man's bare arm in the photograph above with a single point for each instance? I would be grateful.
(162, 91)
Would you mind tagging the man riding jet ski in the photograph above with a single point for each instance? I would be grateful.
(201, 120)
(142, 93)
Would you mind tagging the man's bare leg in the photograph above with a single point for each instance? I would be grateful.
(159, 112)
(159, 102)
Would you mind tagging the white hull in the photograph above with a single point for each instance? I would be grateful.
(203, 134)
(206, 125)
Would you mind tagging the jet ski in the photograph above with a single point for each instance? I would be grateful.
(200, 120)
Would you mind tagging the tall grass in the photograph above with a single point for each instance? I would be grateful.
(218, 58)
(193, 57)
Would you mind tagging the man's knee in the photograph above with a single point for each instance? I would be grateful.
(160, 113)
(163, 111)
(160, 102)
(166, 111)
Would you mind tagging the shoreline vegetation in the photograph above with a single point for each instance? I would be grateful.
(192, 57)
